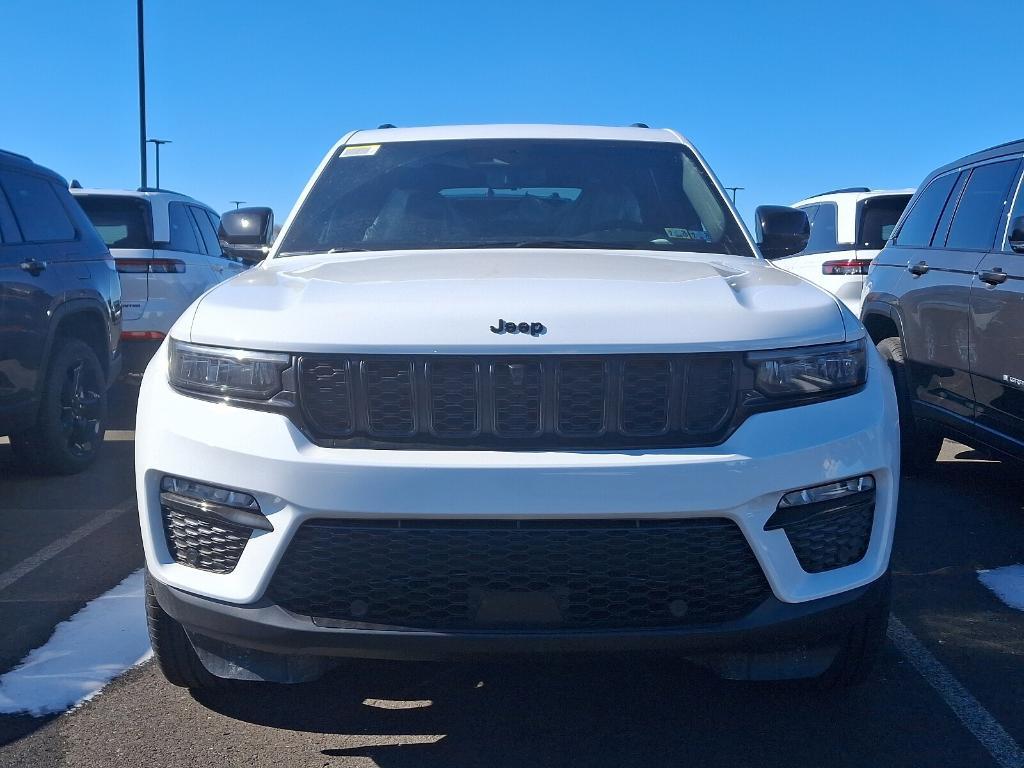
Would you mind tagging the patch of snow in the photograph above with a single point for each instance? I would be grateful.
(1007, 583)
(101, 641)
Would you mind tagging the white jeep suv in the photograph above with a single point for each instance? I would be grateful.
(508, 389)
(167, 253)
(848, 229)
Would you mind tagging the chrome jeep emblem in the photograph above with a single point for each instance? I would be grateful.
(534, 329)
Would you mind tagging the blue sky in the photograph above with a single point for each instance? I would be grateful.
(785, 99)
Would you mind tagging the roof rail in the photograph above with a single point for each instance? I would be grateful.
(639, 125)
(841, 191)
(160, 189)
(384, 125)
(15, 154)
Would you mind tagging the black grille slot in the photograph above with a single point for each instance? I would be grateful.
(646, 388)
(454, 399)
(468, 575)
(710, 393)
(326, 397)
(517, 403)
(581, 397)
(202, 543)
(389, 397)
(518, 393)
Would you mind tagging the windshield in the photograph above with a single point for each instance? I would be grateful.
(514, 193)
(123, 222)
(878, 217)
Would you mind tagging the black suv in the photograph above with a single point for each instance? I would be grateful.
(944, 301)
(60, 320)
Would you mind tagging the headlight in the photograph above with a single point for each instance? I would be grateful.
(810, 371)
(229, 372)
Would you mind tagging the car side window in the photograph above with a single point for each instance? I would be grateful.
(183, 234)
(207, 231)
(823, 229)
(215, 222)
(981, 206)
(39, 212)
(1018, 210)
(8, 226)
(919, 226)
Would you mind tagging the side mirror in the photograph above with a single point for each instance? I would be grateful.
(247, 233)
(781, 231)
(1017, 234)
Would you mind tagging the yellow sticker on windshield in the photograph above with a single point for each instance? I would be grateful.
(360, 150)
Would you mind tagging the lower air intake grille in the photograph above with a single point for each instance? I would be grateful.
(203, 544)
(832, 540)
(464, 575)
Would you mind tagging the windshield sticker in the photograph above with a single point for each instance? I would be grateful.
(678, 233)
(360, 150)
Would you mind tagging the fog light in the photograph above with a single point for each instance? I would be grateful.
(828, 492)
(234, 506)
(200, 492)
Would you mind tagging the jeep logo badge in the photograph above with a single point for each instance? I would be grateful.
(534, 329)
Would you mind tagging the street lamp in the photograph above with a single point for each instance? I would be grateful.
(731, 189)
(237, 203)
(156, 143)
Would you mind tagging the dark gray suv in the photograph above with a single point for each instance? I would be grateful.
(944, 301)
(60, 320)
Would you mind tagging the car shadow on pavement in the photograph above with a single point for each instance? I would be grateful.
(611, 711)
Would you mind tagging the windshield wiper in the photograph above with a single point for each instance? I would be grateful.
(323, 250)
(547, 244)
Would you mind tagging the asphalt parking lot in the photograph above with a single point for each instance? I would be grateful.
(947, 693)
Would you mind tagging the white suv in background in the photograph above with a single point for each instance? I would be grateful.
(517, 388)
(848, 229)
(167, 253)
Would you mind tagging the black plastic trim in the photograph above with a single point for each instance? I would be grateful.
(773, 625)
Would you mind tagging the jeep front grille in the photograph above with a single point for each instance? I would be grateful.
(517, 403)
(520, 574)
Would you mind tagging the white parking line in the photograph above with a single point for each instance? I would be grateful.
(54, 548)
(978, 720)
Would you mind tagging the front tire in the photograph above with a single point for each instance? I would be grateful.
(173, 651)
(68, 432)
(919, 445)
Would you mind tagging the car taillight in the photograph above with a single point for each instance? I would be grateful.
(846, 267)
(153, 266)
(142, 335)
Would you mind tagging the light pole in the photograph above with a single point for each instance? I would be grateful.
(237, 203)
(142, 96)
(733, 190)
(156, 143)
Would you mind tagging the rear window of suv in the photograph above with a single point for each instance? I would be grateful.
(484, 193)
(123, 222)
(877, 218)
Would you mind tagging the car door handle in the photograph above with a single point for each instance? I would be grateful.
(33, 266)
(993, 277)
(918, 269)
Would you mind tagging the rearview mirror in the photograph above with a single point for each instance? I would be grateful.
(781, 230)
(247, 233)
(1017, 234)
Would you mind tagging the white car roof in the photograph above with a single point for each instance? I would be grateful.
(513, 131)
(854, 197)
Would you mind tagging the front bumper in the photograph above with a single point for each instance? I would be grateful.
(777, 640)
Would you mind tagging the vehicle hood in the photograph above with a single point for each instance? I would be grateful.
(447, 301)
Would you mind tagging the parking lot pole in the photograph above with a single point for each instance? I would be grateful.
(142, 96)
